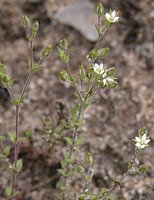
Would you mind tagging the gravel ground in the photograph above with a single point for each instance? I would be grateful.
(115, 115)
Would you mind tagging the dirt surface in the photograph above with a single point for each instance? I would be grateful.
(115, 115)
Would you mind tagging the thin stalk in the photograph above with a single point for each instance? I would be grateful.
(26, 84)
(74, 136)
(74, 85)
(98, 44)
(78, 91)
(90, 90)
(125, 174)
(9, 89)
(69, 69)
(17, 107)
(16, 149)
(30, 72)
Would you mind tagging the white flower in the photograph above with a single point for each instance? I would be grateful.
(141, 142)
(112, 16)
(98, 68)
(106, 79)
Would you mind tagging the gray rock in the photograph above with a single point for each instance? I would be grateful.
(81, 16)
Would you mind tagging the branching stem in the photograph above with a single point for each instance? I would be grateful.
(17, 116)
(16, 149)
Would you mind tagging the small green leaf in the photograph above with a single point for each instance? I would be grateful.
(107, 23)
(130, 164)
(142, 131)
(28, 133)
(8, 191)
(75, 109)
(26, 22)
(62, 172)
(45, 52)
(5, 79)
(143, 168)
(19, 165)
(63, 75)
(12, 136)
(64, 56)
(98, 53)
(98, 29)
(81, 73)
(102, 52)
(112, 84)
(35, 29)
(18, 101)
(36, 67)
(81, 170)
(64, 43)
(110, 71)
(68, 140)
(100, 9)
(89, 158)
(6, 150)
(93, 54)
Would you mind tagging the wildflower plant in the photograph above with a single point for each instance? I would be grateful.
(15, 166)
(88, 80)
(112, 17)
(142, 140)
(134, 167)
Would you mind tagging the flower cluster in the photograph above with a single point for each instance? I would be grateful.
(5, 80)
(142, 141)
(112, 16)
(100, 70)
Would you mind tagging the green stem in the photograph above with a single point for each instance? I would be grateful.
(30, 72)
(16, 145)
(16, 150)
(26, 84)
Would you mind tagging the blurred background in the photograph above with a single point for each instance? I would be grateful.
(115, 116)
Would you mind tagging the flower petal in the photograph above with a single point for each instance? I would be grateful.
(116, 18)
(147, 141)
(144, 137)
(96, 65)
(104, 81)
(138, 145)
(101, 66)
(137, 139)
(107, 15)
(113, 14)
(143, 146)
(109, 79)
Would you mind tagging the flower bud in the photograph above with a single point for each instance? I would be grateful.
(100, 9)
(26, 22)
(81, 169)
(89, 159)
